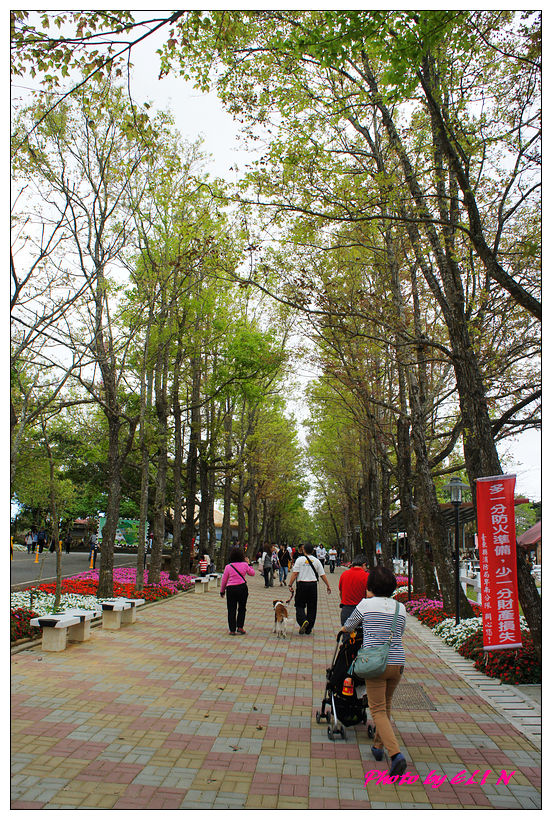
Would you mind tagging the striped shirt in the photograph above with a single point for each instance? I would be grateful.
(376, 616)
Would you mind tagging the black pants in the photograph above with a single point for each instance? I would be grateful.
(267, 572)
(332, 564)
(236, 601)
(306, 599)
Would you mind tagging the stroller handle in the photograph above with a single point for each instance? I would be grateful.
(346, 636)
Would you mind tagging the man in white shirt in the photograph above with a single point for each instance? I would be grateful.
(307, 569)
(321, 554)
(332, 555)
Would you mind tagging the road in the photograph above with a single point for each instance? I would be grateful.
(25, 571)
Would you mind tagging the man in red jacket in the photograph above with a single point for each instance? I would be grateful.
(352, 586)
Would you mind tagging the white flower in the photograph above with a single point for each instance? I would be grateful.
(43, 603)
(455, 635)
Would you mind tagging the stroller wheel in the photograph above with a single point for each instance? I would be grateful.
(318, 717)
(330, 733)
(328, 716)
(343, 733)
(371, 732)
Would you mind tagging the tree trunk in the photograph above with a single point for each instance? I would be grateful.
(386, 551)
(204, 502)
(241, 511)
(54, 514)
(226, 539)
(191, 470)
(159, 503)
(145, 404)
(177, 467)
(105, 582)
(252, 522)
(213, 548)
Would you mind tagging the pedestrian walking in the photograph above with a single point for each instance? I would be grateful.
(332, 556)
(203, 566)
(29, 542)
(35, 541)
(352, 586)
(234, 585)
(284, 562)
(67, 543)
(380, 616)
(41, 540)
(266, 558)
(307, 570)
(275, 564)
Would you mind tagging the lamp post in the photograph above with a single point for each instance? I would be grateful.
(455, 488)
(409, 560)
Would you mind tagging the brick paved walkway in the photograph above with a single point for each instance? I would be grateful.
(173, 713)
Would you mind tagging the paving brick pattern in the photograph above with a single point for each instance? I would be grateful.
(173, 713)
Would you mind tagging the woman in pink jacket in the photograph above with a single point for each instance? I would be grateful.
(234, 584)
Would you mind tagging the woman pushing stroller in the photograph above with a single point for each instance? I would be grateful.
(377, 614)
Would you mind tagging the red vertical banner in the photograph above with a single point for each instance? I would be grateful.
(496, 528)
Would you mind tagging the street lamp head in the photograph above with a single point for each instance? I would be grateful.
(455, 487)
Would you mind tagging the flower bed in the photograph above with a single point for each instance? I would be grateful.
(20, 624)
(80, 591)
(513, 666)
(510, 665)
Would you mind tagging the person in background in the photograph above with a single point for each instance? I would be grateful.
(275, 563)
(29, 542)
(203, 565)
(307, 569)
(352, 586)
(266, 559)
(284, 560)
(376, 615)
(234, 585)
(41, 540)
(332, 557)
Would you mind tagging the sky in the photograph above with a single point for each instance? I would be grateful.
(198, 114)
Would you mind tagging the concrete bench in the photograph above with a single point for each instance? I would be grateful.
(118, 611)
(81, 632)
(201, 584)
(214, 580)
(55, 629)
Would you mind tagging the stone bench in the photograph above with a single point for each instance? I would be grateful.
(119, 611)
(81, 632)
(201, 584)
(55, 629)
(214, 580)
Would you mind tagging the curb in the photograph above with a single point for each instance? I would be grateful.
(21, 645)
(518, 709)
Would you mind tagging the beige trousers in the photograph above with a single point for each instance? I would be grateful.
(379, 692)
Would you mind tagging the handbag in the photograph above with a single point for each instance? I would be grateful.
(372, 660)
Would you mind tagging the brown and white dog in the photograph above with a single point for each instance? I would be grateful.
(281, 620)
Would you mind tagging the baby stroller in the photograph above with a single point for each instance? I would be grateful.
(345, 694)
